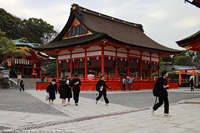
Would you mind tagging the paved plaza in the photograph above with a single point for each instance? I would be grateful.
(29, 112)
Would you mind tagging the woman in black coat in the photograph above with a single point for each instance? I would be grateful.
(52, 90)
(76, 82)
(69, 91)
(63, 91)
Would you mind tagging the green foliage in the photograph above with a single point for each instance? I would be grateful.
(10, 24)
(51, 70)
(167, 59)
(183, 60)
(155, 74)
(7, 47)
(35, 30)
(38, 30)
(165, 66)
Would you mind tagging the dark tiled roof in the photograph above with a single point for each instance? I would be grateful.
(105, 27)
(186, 41)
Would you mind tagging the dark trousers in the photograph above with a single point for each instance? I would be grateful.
(124, 86)
(166, 104)
(104, 95)
(21, 87)
(76, 96)
(192, 89)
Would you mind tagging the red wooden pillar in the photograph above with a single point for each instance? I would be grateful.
(150, 68)
(102, 60)
(97, 72)
(33, 69)
(141, 66)
(128, 71)
(179, 77)
(40, 71)
(116, 75)
(193, 73)
(71, 65)
(86, 64)
(57, 69)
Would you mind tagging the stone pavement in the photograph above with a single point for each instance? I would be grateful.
(89, 117)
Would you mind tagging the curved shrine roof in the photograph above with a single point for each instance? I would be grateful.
(104, 27)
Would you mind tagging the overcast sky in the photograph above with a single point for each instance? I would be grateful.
(165, 21)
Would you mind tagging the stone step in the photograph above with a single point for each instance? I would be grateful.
(29, 83)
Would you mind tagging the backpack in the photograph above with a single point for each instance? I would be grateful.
(97, 87)
(48, 88)
(155, 91)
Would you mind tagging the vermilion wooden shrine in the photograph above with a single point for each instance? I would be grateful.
(28, 64)
(93, 44)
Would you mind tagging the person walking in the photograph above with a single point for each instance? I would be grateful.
(124, 83)
(161, 86)
(76, 82)
(63, 91)
(69, 91)
(21, 85)
(52, 90)
(101, 88)
(129, 80)
(192, 84)
(43, 77)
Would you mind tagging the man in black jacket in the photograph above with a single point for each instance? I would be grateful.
(76, 82)
(101, 88)
(161, 85)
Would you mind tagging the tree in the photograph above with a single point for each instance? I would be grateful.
(38, 31)
(51, 70)
(10, 24)
(183, 60)
(7, 47)
(35, 30)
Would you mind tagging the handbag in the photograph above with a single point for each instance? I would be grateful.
(47, 97)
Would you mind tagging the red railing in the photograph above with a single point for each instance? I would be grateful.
(107, 78)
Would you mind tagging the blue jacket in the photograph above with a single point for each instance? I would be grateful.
(124, 81)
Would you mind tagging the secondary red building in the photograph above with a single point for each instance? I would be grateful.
(93, 44)
(28, 64)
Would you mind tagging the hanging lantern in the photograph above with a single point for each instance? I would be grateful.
(73, 60)
(121, 59)
(109, 57)
(113, 58)
(81, 59)
(125, 59)
(59, 61)
(97, 57)
(88, 58)
(67, 60)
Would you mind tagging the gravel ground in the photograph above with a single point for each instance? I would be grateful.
(14, 100)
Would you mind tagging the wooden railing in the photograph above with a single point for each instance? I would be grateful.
(108, 78)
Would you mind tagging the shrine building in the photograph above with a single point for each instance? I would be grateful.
(93, 44)
(29, 64)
